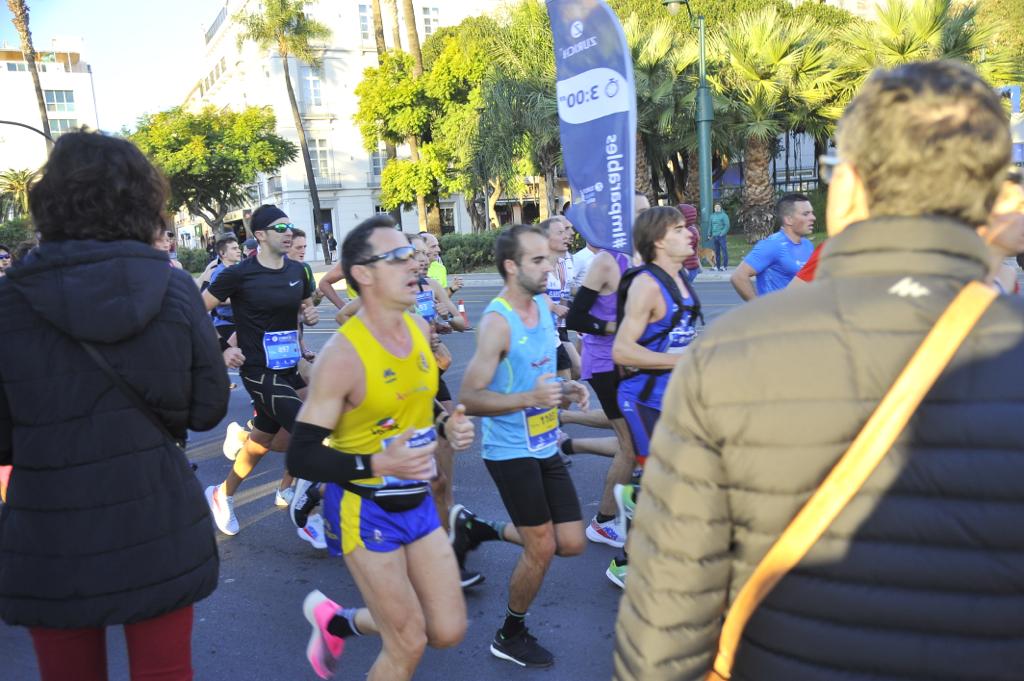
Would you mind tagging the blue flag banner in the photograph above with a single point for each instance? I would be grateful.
(597, 120)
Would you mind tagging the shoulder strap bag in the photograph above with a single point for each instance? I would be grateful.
(853, 468)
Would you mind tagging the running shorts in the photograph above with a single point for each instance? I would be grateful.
(606, 385)
(641, 420)
(275, 399)
(536, 491)
(443, 393)
(352, 521)
(562, 363)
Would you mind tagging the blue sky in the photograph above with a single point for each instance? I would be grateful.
(145, 55)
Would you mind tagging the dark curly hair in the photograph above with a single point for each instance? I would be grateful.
(98, 187)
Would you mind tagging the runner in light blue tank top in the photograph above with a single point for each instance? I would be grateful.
(533, 433)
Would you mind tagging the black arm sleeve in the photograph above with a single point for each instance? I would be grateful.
(579, 317)
(310, 459)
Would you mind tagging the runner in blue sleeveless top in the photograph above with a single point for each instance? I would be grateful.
(655, 329)
(511, 383)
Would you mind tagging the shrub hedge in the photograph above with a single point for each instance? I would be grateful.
(468, 252)
(194, 260)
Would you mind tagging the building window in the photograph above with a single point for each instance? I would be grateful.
(447, 219)
(59, 126)
(23, 66)
(59, 101)
(378, 160)
(364, 22)
(431, 21)
(311, 79)
(379, 210)
(318, 156)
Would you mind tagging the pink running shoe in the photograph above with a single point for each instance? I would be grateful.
(324, 648)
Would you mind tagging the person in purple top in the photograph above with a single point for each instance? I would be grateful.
(593, 314)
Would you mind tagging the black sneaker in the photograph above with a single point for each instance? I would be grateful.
(468, 578)
(458, 532)
(522, 649)
(307, 496)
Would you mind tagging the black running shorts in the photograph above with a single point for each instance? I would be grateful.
(274, 398)
(606, 385)
(562, 361)
(443, 393)
(536, 491)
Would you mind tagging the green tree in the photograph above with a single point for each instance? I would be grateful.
(14, 186)
(1005, 17)
(779, 73)
(19, 12)
(284, 25)
(519, 121)
(211, 157)
(925, 30)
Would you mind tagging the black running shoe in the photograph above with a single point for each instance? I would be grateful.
(468, 578)
(307, 496)
(522, 649)
(458, 532)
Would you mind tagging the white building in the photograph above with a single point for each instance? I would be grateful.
(347, 177)
(67, 86)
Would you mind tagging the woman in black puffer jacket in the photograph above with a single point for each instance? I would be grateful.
(105, 522)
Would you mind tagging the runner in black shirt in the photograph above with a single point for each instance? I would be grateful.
(266, 294)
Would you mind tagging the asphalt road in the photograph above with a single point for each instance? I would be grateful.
(252, 627)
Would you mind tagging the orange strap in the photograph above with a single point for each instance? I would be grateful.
(860, 460)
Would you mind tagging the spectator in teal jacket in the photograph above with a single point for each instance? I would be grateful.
(719, 230)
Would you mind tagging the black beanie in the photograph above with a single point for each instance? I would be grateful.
(264, 216)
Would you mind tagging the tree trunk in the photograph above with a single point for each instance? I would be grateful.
(19, 12)
(678, 176)
(396, 33)
(492, 204)
(756, 214)
(310, 178)
(643, 172)
(378, 33)
(691, 190)
(378, 30)
(421, 201)
(413, 38)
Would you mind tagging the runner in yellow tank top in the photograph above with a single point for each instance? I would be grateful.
(367, 430)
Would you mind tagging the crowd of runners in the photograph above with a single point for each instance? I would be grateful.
(370, 426)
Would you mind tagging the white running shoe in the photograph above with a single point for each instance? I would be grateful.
(232, 441)
(313, 532)
(283, 497)
(609, 533)
(222, 508)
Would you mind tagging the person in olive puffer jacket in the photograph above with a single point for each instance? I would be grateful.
(105, 522)
(920, 576)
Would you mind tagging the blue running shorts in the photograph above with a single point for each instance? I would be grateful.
(350, 522)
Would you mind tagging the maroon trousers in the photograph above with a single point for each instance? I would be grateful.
(159, 649)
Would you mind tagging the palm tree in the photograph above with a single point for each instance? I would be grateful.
(413, 38)
(925, 30)
(780, 74)
(396, 32)
(378, 30)
(519, 119)
(14, 186)
(284, 25)
(19, 12)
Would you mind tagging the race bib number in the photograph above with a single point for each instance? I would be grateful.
(281, 349)
(425, 305)
(541, 427)
(555, 294)
(680, 337)
(421, 438)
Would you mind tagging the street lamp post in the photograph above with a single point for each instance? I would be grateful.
(705, 116)
(27, 127)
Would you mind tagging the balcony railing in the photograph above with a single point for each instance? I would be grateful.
(327, 181)
(372, 180)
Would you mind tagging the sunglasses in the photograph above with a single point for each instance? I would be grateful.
(5, 256)
(281, 227)
(396, 255)
(826, 167)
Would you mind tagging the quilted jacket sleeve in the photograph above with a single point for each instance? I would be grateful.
(210, 392)
(671, 614)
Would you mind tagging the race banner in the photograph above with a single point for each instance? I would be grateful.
(597, 120)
